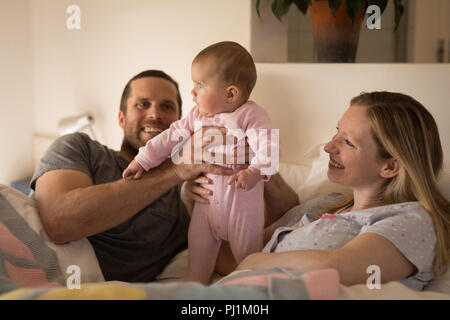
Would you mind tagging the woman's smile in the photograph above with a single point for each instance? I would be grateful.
(332, 164)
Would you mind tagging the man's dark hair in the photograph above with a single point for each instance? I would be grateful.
(148, 74)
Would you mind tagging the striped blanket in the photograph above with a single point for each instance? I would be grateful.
(25, 260)
(30, 269)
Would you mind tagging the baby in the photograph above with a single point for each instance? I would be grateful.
(224, 75)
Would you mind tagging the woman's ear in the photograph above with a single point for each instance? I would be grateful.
(390, 169)
(232, 93)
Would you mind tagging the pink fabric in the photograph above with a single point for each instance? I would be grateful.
(322, 284)
(25, 277)
(248, 117)
(28, 277)
(260, 280)
(9, 243)
(233, 215)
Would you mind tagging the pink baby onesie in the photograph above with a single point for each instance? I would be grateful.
(234, 214)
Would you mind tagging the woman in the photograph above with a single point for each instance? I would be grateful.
(387, 150)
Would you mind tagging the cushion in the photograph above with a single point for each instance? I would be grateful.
(440, 284)
(23, 223)
(444, 181)
(294, 175)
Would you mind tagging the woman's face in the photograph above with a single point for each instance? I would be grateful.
(353, 153)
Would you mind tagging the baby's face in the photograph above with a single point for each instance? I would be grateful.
(209, 93)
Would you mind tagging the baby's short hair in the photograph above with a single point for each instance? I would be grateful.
(233, 63)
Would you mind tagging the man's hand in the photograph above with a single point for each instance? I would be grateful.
(195, 146)
(193, 191)
(198, 143)
(192, 171)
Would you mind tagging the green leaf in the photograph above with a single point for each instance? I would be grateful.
(257, 7)
(280, 7)
(334, 6)
(382, 4)
(302, 5)
(353, 8)
(399, 9)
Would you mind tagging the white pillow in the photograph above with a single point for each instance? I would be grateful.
(78, 252)
(444, 181)
(294, 175)
(176, 269)
(441, 284)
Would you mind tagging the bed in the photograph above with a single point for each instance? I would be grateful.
(32, 267)
(35, 268)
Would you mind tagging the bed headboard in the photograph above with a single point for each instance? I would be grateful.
(305, 101)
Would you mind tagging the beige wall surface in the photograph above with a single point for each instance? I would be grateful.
(16, 108)
(305, 101)
(85, 70)
(431, 25)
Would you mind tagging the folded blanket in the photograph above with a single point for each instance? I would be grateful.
(273, 284)
(25, 260)
(30, 269)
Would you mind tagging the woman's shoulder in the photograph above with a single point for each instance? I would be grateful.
(405, 209)
(406, 212)
(401, 220)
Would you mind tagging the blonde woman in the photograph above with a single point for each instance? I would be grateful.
(387, 150)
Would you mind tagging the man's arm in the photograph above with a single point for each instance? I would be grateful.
(279, 198)
(71, 207)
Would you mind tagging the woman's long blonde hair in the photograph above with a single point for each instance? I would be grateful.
(405, 130)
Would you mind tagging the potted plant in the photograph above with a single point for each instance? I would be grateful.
(336, 23)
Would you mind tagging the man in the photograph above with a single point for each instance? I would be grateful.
(135, 227)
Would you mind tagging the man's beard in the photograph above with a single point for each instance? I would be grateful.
(132, 142)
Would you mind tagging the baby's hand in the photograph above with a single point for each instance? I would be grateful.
(133, 171)
(246, 179)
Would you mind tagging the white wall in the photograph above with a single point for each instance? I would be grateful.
(305, 101)
(85, 70)
(16, 108)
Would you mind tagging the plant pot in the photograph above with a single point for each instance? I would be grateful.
(335, 37)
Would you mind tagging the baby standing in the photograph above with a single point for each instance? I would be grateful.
(224, 75)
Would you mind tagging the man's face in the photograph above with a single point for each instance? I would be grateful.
(151, 108)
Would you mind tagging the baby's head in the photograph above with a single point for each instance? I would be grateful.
(224, 75)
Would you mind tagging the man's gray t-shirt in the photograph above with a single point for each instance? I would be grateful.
(138, 249)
